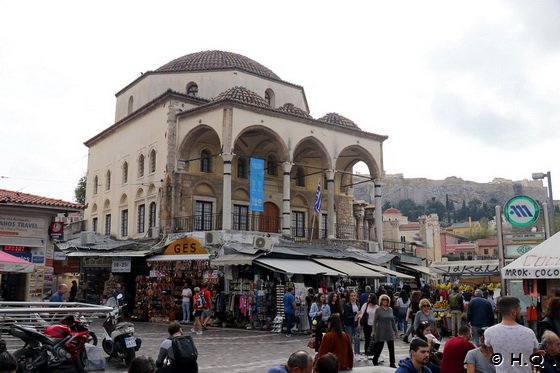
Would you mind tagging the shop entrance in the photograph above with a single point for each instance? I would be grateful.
(270, 218)
(13, 286)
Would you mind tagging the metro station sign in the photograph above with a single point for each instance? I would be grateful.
(521, 211)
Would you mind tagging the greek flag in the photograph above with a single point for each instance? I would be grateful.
(317, 206)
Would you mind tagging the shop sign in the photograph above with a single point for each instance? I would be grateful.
(210, 274)
(38, 259)
(20, 226)
(185, 246)
(121, 265)
(256, 184)
(469, 270)
(23, 255)
(155, 273)
(58, 255)
(56, 230)
(515, 251)
(98, 261)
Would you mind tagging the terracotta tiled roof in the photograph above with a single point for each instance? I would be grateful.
(242, 94)
(217, 60)
(18, 198)
(292, 109)
(339, 120)
(392, 210)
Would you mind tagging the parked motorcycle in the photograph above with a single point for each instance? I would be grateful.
(59, 349)
(118, 339)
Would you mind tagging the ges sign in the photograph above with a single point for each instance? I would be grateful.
(184, 246)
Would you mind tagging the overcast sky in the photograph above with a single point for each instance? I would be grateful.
(469, 90)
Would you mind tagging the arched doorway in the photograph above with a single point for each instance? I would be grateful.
(269, 220)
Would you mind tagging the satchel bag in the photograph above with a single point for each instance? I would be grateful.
(364, 318)
(312, 341)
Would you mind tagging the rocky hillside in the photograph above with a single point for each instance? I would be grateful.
(396, 188)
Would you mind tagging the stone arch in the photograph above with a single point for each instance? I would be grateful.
(140, 193)
(299, 200)
(151, 189)
(94, 208)
(240, 194)
(123, 200)
(260, 141)
(199, 138)
(345, 161)
(204, 189)
(106, 205)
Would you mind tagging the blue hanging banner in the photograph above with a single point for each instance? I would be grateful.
(256, 185)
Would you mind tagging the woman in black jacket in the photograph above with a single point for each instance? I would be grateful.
(350, 320)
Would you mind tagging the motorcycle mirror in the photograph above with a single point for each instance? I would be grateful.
(119, 296)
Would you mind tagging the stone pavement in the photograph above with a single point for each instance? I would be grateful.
(238, 350)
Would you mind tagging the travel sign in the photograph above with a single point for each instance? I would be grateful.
(521, 211)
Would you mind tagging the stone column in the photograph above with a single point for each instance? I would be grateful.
(226, 202)
(370, 221)
(331, 229)
(286, 207)
(359, 214)
(378, 213)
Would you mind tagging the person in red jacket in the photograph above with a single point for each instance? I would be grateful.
(455, 351)
(337, 342)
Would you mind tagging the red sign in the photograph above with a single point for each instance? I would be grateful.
(18, 249)
(56, 229)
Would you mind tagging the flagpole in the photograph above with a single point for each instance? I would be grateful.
(316, 206)
(312, 225)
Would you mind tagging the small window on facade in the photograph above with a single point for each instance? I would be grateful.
(152, 161)
(241, 168)
(152, 215)
(298, 223)
(203, 216)
(94, 225)
(130, 104)
(271, 165)
(108, 181)
(124, 223)
(141, 218)
(300, 177)
(107, 224)
(192, 90)
(141, 165)
(324, 226)
(125, 173)
(240, 218)
(95, 184)
(205, 161)
(269, 97)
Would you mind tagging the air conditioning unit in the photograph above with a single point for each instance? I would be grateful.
(213, 238)
(262, 243)
(154, 232)
(87, 238)
(373, 247)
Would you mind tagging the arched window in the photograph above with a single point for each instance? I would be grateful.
(205, 161)
(192, 89)
(269, 97)
(125, 172)
(152, 215)
(95, 184)
(241, 168)
(130, 104)
(108, 181)
(271, 165)
(141, 165)
(300, 177)
(153, 161)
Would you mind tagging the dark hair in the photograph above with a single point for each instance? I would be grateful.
(418, 343)
(416, 296)
(327, 363)
(299, 359)
(464, 330)
(290, 289)
(337, 303)
(507, 304)
(553, 309)
(173, 327)
(8, 362)
(420, 330)
(404, 296)
(348, 293)
(335, 325)
(142, 364)
(372, 298)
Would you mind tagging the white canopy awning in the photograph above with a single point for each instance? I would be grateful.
(417, 268)
(470, 268)
(235, 259)
(386, 271)
(174, 258)
(115, 253)
(296, 266)
(349, 268)
(543, 261)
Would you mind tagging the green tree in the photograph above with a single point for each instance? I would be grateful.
(480, 229)
(436, 207)
(80, 191)
(410, 209)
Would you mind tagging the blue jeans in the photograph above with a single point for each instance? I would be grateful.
(402, 323)
(352, 332)
(475, 335)
(186, 311)
(290, 320)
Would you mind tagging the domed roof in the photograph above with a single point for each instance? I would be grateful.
(292, 109)
(242, 94)
(339, 120)
(217, 60)
(392, 210)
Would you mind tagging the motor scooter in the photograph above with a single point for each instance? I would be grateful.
(118, 337)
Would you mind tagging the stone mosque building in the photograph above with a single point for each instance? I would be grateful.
(178, 157)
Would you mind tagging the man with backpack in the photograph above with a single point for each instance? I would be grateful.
(457, 307)
(177, 353)
(199, 303)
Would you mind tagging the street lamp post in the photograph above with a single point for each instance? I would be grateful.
(552, 220)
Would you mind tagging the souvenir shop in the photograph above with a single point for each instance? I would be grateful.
(158, 291)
